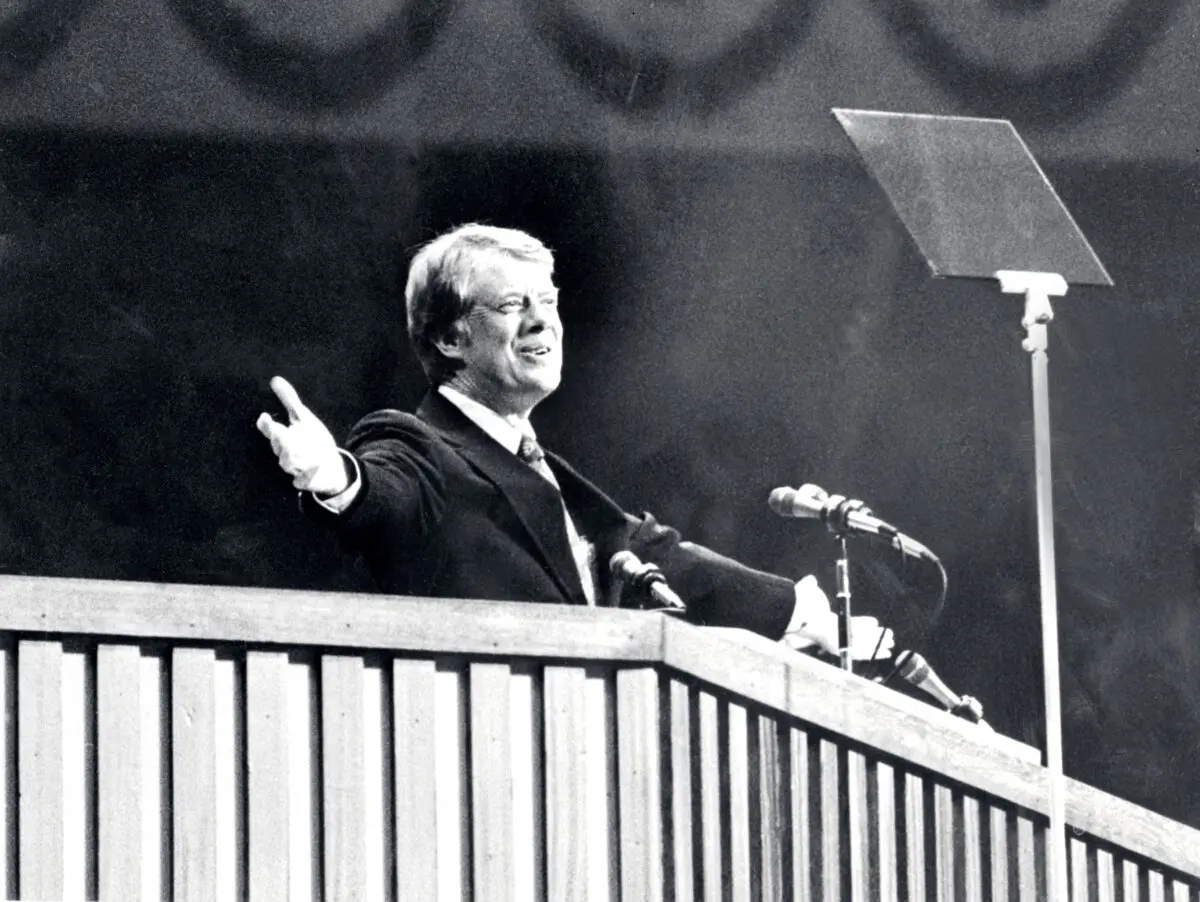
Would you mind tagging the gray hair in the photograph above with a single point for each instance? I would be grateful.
(440, 280)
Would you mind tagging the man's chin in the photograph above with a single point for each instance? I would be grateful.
(549, 386)
(544, 386)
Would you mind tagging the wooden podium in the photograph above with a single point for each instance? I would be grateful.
(198, 743)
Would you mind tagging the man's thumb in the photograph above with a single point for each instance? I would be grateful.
(265, 424)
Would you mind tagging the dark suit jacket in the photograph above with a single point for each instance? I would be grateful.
(445, 511)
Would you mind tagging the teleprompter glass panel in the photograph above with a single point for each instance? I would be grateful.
(971, 195)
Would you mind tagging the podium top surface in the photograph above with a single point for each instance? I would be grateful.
(971, 195)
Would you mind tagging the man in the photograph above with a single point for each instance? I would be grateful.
(460, 501)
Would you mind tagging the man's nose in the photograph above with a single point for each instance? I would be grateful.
(538, 316)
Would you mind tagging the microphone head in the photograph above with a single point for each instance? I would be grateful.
(915, 671)
(806, 501)
(623, 563)
(910, 666)
(780, 501)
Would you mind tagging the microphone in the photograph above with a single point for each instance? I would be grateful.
(625, 565)
(915, 671)
(841, 515)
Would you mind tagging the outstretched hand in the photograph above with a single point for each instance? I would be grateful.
(306, 449)
(817, 624)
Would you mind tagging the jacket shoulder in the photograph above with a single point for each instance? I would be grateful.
(389, 425)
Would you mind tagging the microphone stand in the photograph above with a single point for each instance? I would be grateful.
(836, 515)
(843, 603)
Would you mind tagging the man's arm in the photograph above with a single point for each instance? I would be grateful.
(720, 591)
(384, 490)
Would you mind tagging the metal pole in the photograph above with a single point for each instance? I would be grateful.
(843, 606)
(1037, 288)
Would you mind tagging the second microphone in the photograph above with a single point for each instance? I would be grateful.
(625, 565)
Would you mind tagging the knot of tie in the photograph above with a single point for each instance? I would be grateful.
(530, 451)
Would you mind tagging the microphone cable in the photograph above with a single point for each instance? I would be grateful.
(938, 608)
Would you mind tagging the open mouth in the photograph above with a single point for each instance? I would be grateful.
(540, 351)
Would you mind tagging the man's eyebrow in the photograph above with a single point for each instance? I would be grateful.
(517, 294)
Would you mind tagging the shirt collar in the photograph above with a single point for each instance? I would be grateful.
(502, 431)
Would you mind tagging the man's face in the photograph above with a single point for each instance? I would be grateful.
(511, 344)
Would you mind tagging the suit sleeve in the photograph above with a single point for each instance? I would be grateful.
(402, 493)
(718, 590)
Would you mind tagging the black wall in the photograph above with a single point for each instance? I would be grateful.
(736, 321)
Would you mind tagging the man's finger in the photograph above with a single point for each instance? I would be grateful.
(288, 398)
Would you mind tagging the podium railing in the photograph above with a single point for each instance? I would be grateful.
(186, 742)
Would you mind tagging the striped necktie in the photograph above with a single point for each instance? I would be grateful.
(583, 551)
(531, 453)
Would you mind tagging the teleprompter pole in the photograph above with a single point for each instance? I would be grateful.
(1038, 288)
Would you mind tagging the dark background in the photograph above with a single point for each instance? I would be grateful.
(743, 311)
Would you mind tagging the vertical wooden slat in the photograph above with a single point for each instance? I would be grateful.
(378, 816)
(452, 771)
(40, 768)
(78, 776)
(157, 824)
(1105, 888)
(413, 719)
(681, 791)
(639, 783)
(944, 830)
(604, 876)
(1154, 887)
(267, 777)
(343, 781)
(194, 775)
(739, 805)
(1130, 882)
(831, 839)
(9, 849)
(229, 739)
(1000, 854)
(1027, 889)
(860, 827)
(528, 804)
(566, 770)
(1080, 891)
(491, 782)
(711, 752)
(118, 733)
(972, 863)
(888, 862)
(914, 835)
(801, 863)
(772, 827)
(305, 865)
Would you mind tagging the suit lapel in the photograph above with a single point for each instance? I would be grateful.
(602, 520)
(536, 503)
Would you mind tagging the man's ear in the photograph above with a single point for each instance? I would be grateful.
(453, 341)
